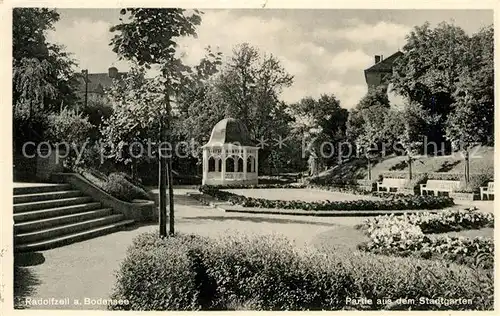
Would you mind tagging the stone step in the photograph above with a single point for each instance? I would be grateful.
(41, 205)
(54, 212)
(40, 188)
(44, 196)
(72, 238)
(54, 232)
(40, 224)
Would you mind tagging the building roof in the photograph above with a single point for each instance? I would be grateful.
(385, 65)
(230, 131)
(98, 82)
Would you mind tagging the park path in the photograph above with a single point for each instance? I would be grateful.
(86, 270)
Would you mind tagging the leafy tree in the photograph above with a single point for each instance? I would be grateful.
(465, 128)
(472, 117)
(148, 37)
(322, 122)
(247, 88)
(366, 124)
(43, 76)
(428, 71)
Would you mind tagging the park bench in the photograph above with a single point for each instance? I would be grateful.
(489, 190)
(437, 186)
(390, 183)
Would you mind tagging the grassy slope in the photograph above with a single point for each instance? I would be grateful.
(482, 161)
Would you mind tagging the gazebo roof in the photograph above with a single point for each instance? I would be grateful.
(229, 131)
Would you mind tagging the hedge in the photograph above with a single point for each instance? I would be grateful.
(237, 272)
(397, 202)
(270, 273)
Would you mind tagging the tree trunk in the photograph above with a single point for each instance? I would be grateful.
(169, 170)
(171, 231)
(467, 161)
(369, 169)
(410, 166)
(162, 186)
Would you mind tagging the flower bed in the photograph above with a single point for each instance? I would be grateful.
(404, 235)
(443, 221)
(395, 203)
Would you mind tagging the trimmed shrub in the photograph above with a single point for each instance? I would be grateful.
(116, 184)
(269, 273)
(475, 182)
(259, 272)
(158, 274)
(381, 277)
(397, 202)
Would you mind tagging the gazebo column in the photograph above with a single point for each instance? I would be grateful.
(245, 157)
(223, 171)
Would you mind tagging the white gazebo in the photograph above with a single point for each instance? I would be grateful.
(230, 157)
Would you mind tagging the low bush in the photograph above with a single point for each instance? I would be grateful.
(157, 274)
(117, 184)
(397, 283)
(262, 186)
(475, 182)
(397, 202)
(262, 272)
(440, 222)
(404, 235)
(475, 252)
(120, 187)
(270, 273)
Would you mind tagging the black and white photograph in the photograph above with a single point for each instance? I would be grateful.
(249, 159)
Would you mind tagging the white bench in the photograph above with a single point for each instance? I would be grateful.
(390, 183)
(436, 186)
(489, 190)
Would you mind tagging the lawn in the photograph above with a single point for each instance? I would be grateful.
(307, 195)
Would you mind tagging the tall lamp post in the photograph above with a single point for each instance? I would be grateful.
(85, 73)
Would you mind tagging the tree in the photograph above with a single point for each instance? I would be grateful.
(43, 78)
(43, 72)
(366, 124)
(465, 128)
(148, 38)
(428, 71)
(472, 117)
(249, 86)
(322, 122)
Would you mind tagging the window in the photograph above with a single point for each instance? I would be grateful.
(250, 164)
(211, 164)
(240, 165)
(230, 164)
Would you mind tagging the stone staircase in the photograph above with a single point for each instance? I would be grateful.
(52, 215)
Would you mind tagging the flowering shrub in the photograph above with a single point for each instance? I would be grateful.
(440, 222)
(397, 202)
(404, 235)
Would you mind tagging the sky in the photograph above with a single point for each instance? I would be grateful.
(325, 50)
